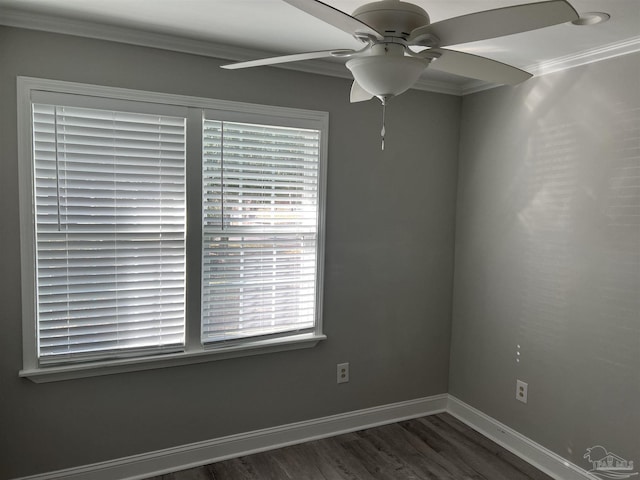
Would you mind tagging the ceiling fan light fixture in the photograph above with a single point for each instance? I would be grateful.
(386, 76)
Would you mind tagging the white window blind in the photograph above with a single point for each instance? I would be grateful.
(110, 232)
(260, 229)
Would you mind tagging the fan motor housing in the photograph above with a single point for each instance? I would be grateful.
(392, 18)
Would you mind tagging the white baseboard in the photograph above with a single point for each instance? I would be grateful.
(201, 453)
(540, 457)
(209, 451)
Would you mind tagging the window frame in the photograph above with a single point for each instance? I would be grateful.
(194, 351)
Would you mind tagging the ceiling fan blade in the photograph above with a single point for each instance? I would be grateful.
(335, 17)
(496, 23)
(289, 58)
(359, 94)
(473, 66)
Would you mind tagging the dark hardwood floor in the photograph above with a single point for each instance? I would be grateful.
(438, 447)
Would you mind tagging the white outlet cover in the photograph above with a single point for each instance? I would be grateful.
(521, 391)
(343, 372)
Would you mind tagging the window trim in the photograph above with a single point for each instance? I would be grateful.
(194, 351)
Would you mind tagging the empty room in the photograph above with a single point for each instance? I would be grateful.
(293, 239)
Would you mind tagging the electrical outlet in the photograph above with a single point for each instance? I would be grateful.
(343, 372)
(521, 391)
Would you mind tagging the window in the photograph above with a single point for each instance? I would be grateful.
(162, 230)
(109, 198)
(259, 231)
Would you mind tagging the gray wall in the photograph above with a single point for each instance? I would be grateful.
(548, 258)
(388, 277)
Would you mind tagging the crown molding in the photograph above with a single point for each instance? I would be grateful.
(100, 31)
(68, 26)
(474, 86)
(612, 50)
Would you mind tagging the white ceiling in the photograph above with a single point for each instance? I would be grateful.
(258, 27)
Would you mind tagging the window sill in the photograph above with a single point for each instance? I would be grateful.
(110, 367)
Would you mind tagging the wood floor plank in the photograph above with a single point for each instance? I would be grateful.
(377, 466)
(265, 465)
(528, 469)
(333, 452)
(481, 456)
(427, 458)
(477, 458)
(438, 447)
(393, 436)
(228, 469)
(292, 461)
(457, 466)
(309, 453)
(439, 466)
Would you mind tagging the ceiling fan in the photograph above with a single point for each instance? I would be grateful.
(400, 42)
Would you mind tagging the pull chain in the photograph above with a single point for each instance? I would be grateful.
(383, 131)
